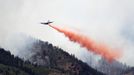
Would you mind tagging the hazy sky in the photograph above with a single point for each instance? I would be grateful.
(108, 21)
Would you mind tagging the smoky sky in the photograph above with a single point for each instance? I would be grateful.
(107, 21)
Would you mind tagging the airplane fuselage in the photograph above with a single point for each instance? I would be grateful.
(46, 23)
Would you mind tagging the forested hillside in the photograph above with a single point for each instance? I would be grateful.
(48, 60)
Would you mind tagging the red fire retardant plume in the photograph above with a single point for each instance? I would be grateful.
(90, 44)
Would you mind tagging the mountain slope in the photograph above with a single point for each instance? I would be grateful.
(46, 60)
(129, 71)
(46, 54)
(11, 65)
(113, 68)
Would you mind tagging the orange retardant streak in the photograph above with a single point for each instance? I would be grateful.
(91, 45)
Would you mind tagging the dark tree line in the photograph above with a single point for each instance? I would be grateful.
(48, 59)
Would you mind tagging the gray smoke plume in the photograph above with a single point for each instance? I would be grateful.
(111, 18)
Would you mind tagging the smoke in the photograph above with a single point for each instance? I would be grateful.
(112, 18)
(101, 49)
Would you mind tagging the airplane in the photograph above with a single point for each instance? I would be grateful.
(46, 23)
